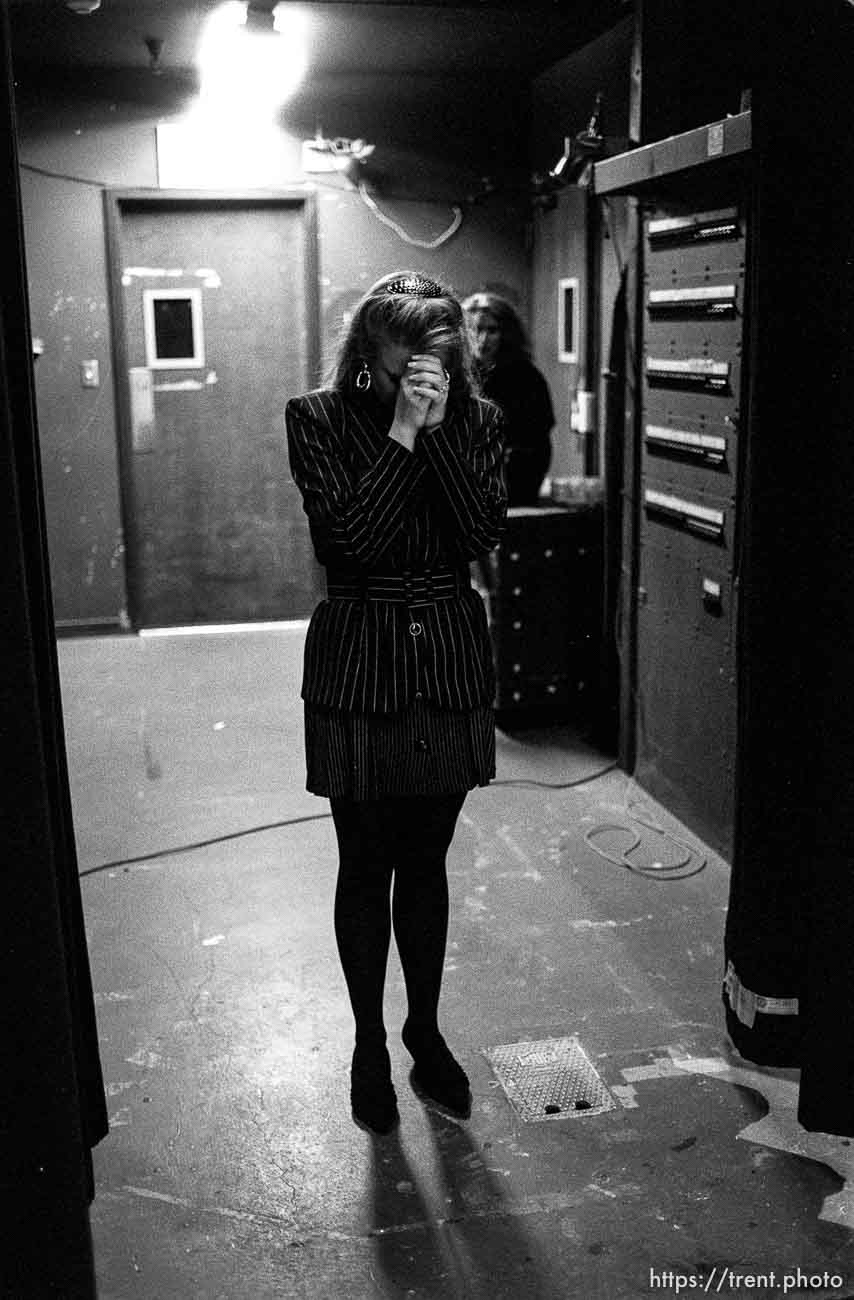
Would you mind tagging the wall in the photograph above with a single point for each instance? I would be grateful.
(431, 153)
(65, 251)
(559, 251)
(562, 101)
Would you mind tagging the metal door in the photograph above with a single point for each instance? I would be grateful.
(216, 327)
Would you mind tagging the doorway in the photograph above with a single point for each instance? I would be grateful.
(215, 323)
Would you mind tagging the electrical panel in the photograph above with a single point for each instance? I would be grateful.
(692, 376)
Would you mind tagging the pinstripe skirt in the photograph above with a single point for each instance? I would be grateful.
(422, 750)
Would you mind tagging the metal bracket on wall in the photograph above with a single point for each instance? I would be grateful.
(708, 447)
(687, 514)
(692, 372)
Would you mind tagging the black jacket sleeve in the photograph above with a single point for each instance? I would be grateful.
(352, 520)
(468, 478)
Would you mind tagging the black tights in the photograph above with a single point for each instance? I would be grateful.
(406, 839)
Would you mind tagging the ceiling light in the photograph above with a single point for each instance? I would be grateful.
(83, 6)
(154, 45)
(259, 19)
(250, 60)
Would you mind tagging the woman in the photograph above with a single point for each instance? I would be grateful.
(508, 376)
(400, 470)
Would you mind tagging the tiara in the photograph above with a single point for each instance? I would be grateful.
(415, 286)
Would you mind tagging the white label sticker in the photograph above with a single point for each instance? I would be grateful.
(715, 142)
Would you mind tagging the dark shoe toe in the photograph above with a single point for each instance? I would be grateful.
(372, 1096)
(437, 1074)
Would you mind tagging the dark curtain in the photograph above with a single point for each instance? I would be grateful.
(790, 927)
(52, 1105)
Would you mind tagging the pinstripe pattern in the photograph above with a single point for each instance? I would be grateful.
(419, 751)
(373, 506)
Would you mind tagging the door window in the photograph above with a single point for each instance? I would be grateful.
(173, 329)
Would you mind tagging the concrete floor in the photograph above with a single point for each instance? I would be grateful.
(233, 1169)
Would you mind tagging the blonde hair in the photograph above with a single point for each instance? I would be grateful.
(411, 309)
(514, 337)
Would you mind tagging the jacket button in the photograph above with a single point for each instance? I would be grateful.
(414, 629)
(418, 695)
(421, 745)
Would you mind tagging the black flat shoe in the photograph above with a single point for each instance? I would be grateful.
(372, 1096)
(437, 1073)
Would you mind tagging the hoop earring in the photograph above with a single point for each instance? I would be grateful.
(363, 378)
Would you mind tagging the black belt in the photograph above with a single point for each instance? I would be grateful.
(399, 588)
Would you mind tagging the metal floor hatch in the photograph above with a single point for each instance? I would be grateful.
(550, 1079)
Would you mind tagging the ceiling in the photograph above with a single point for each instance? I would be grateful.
(515, 40)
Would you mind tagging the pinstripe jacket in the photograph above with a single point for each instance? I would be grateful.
(375, 508)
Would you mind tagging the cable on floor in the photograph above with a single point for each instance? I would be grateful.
(661, 872)
(311, 817)
(554, 785)
(203, 844)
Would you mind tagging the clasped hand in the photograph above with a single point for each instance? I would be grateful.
(423, 393)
